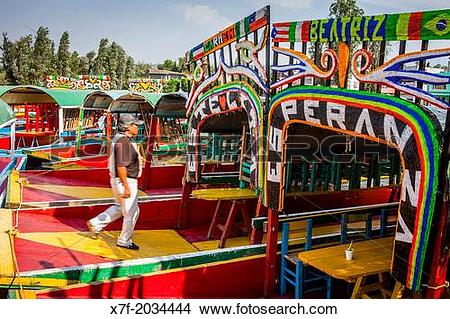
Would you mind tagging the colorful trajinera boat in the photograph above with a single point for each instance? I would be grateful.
(349, 183)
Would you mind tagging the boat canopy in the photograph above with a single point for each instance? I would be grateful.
(135, 103)
(6, 115)
(30, 94)
(101, 100)
(171, 105)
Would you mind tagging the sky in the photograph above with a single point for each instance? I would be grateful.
(152, 31)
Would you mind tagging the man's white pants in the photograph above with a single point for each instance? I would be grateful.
(126, 207)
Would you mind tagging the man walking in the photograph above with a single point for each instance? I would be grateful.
(125, 167)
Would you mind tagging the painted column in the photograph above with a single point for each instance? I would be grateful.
(13, 138)
(60, 122)
(270, 268)
(79, 131)
(149, 152)
(108, 130)
(438, 270)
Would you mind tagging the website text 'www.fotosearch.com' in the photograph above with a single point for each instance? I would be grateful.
(208, 308)
(249, 309)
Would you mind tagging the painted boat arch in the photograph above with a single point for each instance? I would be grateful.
(411, 129)
(229, 98)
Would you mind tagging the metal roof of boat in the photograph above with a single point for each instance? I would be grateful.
(103, 99)
(171, 105)
(19, 94)
(134, 102)
(161, 104)
(6, 114)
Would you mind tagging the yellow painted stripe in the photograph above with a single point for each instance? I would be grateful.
(6, 253)
(152, 243)
(403, 26)
(224, 193)
(13, 197)
(26, 294)
(36, 282)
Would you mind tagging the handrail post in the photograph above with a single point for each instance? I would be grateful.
(309, 234)
(344, 222)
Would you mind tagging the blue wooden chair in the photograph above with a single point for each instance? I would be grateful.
(300, 277)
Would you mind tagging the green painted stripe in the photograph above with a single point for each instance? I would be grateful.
(99, 272)
(292, 29)
(391, 27)
(246, 25)
(237, 30)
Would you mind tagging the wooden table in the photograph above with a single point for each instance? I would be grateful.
(370, 257)
(238, 197)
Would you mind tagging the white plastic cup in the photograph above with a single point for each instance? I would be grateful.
(349, 254)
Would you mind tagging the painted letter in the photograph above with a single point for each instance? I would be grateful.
(391, 133)
(344, 21)
(309, 111)
(364, 119)
(336, 113)
(275, 139)
(355, 29)
(405, 236)
(313, 30)
(322, 30)
(288, 108)
(375, 36)
(408, 188)
(273, 172)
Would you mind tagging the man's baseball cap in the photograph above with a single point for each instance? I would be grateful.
(128, 119)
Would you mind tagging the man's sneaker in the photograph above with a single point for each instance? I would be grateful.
(92, 232)
(131, 246)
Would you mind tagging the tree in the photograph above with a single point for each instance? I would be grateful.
(74, 64)
(90, 57)
(101, 61)
(171, 85)
(112, 64)
(168, 65)
(129, 70)
(24, 57)
(8, 59)
(339, 9)
(345, 8)
(43, 56)
(185, 84)
(121, 67)
(141, 70)
(63, 56)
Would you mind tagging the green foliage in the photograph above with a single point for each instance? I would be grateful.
(101, 61)
(345, 8)
(185, 84)
(63, 56)
(8, 59)
(24, 53)
(173, 65)
(43, 55)
(30, 59)
(171, 85)
(75, 64)
(141, 70)
(168, 65)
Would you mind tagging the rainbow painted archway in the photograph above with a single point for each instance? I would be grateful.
(231, 97)
(413, 130)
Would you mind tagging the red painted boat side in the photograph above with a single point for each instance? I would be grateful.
(218, 280)
(5, 143)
